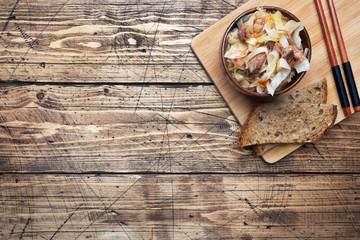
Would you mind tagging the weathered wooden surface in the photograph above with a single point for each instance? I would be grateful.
(182, 128)
(144, 108)
(104, 41)
(180, 207)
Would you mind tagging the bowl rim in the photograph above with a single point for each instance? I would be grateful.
(224, 40)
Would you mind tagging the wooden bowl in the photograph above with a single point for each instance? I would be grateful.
(306, 43)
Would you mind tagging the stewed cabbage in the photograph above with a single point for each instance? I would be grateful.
(264, 51)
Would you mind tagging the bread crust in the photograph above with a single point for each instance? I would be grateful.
(329, 127)
(324, 82)
(245, 129)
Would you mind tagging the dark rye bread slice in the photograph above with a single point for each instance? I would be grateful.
(287, 123)
(314, 93)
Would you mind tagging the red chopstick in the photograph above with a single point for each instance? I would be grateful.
(339, 82)
(349, 76)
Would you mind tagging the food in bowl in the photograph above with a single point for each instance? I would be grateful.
(264, 51)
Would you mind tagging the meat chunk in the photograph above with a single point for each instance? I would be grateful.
(287, 53)
(270, 45)
(255, 63)
(290, 40)
(244, 33)
(298, 54)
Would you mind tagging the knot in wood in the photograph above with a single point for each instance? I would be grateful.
(40, 95)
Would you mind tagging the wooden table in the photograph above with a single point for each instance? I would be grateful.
(110, 128)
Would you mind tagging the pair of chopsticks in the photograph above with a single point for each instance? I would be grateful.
(339, 82)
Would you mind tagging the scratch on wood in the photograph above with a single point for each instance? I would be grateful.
(229, 4)
(57, 230)
(172, 205)
(187, 235)
(10, 16)
(12, 230)
(317, 150)
(212, 155)
(116, 200)
(251, 206)
(195, 140)
(150, 54)
(29, 40)
(34, 42)
(23, 231)
(107, 209)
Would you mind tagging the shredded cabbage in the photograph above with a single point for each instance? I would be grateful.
(273, 33)
(283, 41)
(303, 66)
(272, 59)
(259, 89)
(277, 80)
(238, 76)
(233, 36)
(282, 64)
(251, 47)
(291, 25)
(254, 84)
(261, 11)
(283, 71)
(265, 38)
(252, 41)
(256, 52)
(296, 35)
(240, 22)
(279, 22)
(250, 22)
(269, 25)
(245, 83)
(275, 71)
(306, 51)
(263, 68)
(257, 28)
(238, 50)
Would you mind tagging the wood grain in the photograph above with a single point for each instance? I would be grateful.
(112, 128)
(180, 207)
(146, 116)
(207, 47)
(105, 40)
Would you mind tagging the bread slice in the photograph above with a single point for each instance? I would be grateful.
(314, 93)
(287, 123)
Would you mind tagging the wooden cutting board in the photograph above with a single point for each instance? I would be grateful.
(207, 48)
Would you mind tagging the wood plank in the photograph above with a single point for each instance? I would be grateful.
(180, 207)
(207, 47)
(104, 41)
(144, 128)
